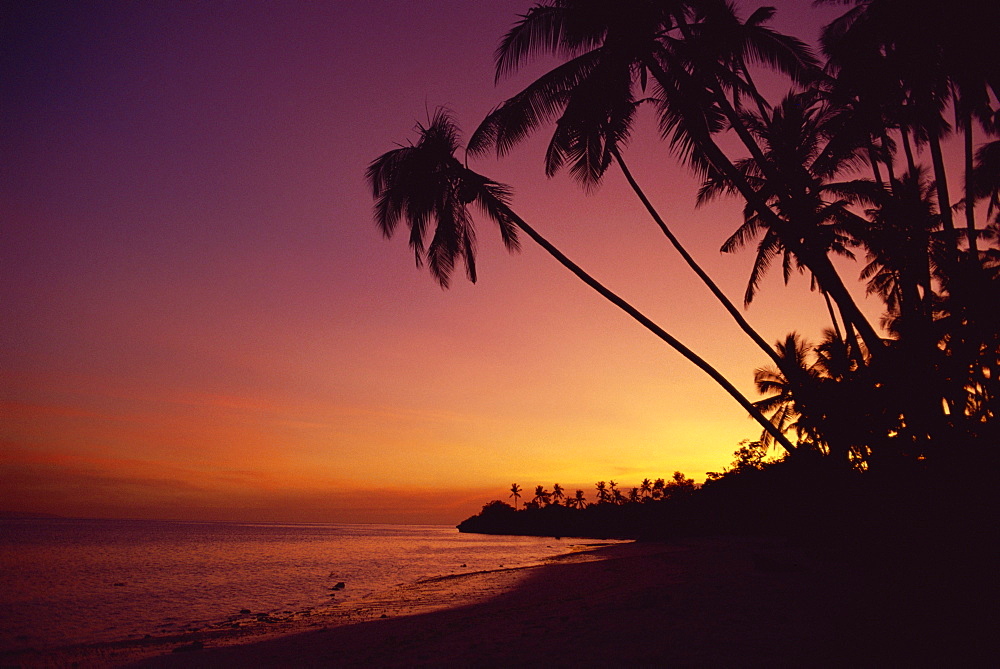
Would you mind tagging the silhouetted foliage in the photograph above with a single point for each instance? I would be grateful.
(613, 515)
(848, 163)
(890, 430)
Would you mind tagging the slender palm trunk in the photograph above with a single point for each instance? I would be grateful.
(911, 164)
(970, 193)
(695, 267)
(941, 183)
(890, 166)
(818, 263)
(833, 315)
(651, 326)
(873, 160)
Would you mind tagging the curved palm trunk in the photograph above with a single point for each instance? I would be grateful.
(649, 325)
(833, 315)
(819, 264)
(695, 267)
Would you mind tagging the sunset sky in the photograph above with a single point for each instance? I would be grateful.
(201, 321)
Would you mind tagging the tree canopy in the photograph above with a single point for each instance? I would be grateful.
(848, 163)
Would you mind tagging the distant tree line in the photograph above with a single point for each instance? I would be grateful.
(607, 492)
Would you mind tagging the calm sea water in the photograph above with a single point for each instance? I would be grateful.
(66, 581)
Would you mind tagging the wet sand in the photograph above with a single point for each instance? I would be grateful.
(714, 602)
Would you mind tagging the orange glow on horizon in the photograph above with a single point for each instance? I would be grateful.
(201, 320)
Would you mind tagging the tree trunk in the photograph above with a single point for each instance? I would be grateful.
(652, 327)
(970, 193)
(818, 264)
(705, 278)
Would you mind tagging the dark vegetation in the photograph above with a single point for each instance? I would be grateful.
(798, 496)
(848, 163)
(882, 149)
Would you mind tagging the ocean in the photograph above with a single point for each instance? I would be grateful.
(72, 581)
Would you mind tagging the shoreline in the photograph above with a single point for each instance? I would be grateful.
(694, 602)
(405, 599)
(697, 602)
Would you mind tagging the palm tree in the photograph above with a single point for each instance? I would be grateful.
(614, 48)
(542, 496)
(836, 405)
(425, 183)
(814, 218)
(646, 487)
(614, 493)
(515, 492)
(932, 54)
(782, 403)
(603, 496)
(557, 494)
(577, 501)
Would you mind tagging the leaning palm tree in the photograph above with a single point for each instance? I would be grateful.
(802, 154)
(614, 51)
(425, 184)
(515, 492)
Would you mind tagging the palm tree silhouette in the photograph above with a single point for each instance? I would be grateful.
(425, 183)
(613, 51)
(603, 496)
(515, 492)
(782, 399)
(577, 501)
(646, 488)
(815, 219)
(542, 496)
(557, 494)
(614, 494)
(929, 57)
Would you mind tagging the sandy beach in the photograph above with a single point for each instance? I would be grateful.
(712, 602)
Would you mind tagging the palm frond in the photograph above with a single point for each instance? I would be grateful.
(540, 31)
(767, 249)
(541, 102)
(425, 185)
(745, 234)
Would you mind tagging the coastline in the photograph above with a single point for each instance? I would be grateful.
(708, 602)
(695, 602)
(407, 599)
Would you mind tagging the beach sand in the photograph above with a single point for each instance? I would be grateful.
(712, 602)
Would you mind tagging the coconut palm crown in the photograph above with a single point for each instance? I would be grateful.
(427, 186)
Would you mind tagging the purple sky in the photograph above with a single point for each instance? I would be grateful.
(200, 319)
